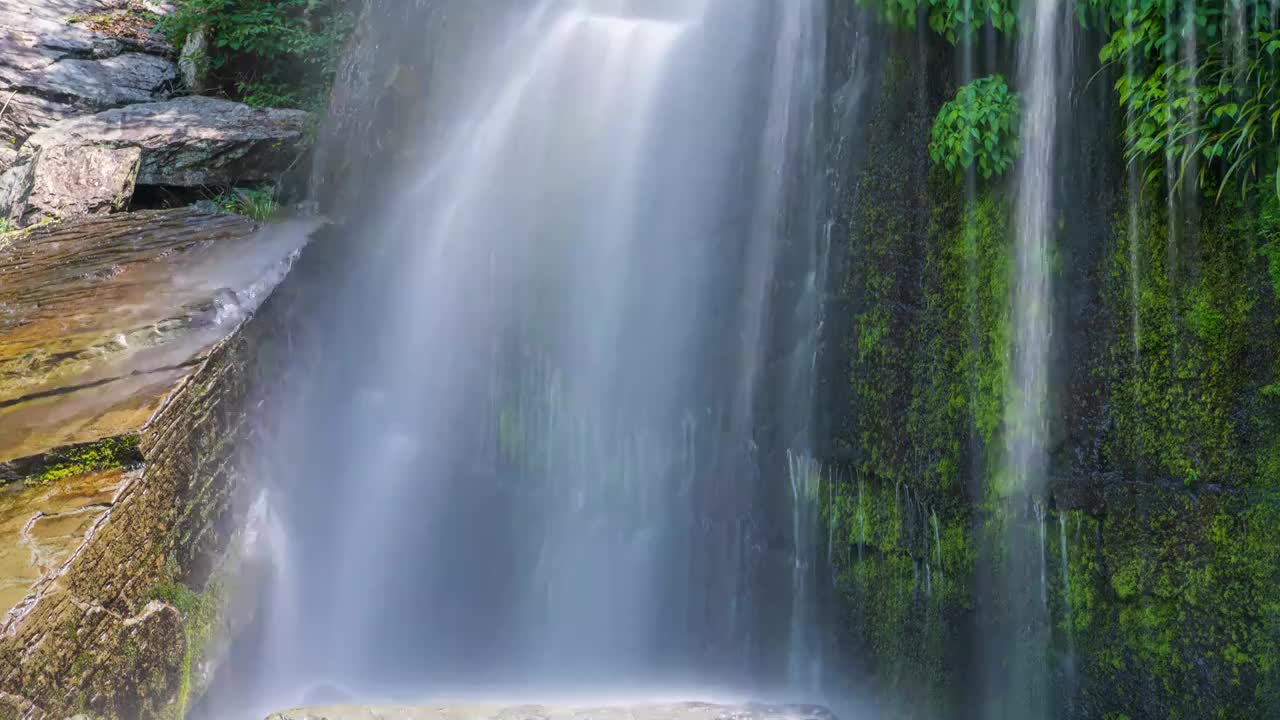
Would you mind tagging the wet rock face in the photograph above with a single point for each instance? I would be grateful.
(673, 711)
(100, 318)
(92, 164)
(123, 372)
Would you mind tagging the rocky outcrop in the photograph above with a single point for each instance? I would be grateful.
(59, 60)
(93, 163)
(122, 381)
(672, 711)
(102, 317)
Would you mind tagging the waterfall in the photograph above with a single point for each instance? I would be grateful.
(937, 546)
(533, 459)
(1022, 690)
(862, 522)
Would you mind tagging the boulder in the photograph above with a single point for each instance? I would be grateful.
(59, 60)
(669, 711)
(193, 64)
(92, 164)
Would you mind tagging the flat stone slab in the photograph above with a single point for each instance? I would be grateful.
(101, 318)
(40, 526)
(669, 711)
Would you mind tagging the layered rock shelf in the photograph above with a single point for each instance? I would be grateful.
(121, 381)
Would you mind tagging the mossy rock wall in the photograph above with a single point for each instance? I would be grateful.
(1159, 539)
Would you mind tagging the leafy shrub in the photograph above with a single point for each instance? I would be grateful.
(979, 127)
(953, 19)
(279, 53)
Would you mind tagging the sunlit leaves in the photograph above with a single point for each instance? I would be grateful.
(273, 52)
(978, 129)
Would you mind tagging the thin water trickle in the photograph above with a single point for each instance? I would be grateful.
(937, 545)
(1135, 197)
(1041, 515)
(1066, 569)
(862, 522)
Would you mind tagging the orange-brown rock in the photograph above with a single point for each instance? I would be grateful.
(123, 357)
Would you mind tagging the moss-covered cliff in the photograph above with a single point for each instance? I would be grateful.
(1156, 552)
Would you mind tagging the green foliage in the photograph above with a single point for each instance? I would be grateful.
(174, 593)
(257, 203)
(1200, 87)
(6, 226)
(979, 127)
(955, 20)
(278, 53)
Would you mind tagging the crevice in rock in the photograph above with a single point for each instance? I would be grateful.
(165, 197)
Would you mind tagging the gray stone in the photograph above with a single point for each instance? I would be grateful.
(52, 68)
(193, 64)
(91, 164)
(8, 156)
(73, 181)
(670, 711)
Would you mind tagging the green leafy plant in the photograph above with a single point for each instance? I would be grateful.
(257, 203)
(266, 52)
(979, 128)
(955, 20)
(1200, 88)
(6, 226)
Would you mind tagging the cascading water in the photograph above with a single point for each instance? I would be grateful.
(1023, 688)
(533, 459)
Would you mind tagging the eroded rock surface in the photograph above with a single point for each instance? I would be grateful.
(671, 711)
(93, 163)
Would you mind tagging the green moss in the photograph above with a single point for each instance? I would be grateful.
(103, 455)
(199, 617)
(1176, 592)
(1176, 398)
(80, 665)
(1126, 580)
